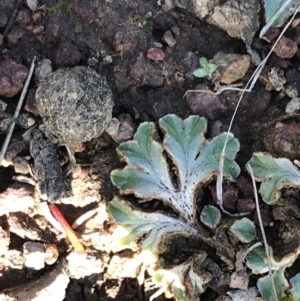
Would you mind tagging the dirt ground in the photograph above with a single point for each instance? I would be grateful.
(113, 37)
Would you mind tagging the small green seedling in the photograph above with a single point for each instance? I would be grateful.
(207, 68)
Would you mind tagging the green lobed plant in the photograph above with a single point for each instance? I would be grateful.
(274, 174)
(170, 170)
(149, 175)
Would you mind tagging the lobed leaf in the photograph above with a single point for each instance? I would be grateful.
(244, 229)
(150, 224)
(274, 175)
(146, 174)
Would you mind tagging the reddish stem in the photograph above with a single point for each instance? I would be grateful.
(79, 248)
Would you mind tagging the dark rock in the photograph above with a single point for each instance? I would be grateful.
(83, 10)
(15, 34)
(3, 19)
(272, 34)
(176, 30)
(155, 54)
(204, 104)
(1, 39)
(265, 216)
(67, 55)
(230, 196)
(245, 205)
(286, 48)
(55, 25)
(47, 166)
(23, 16)
(169, 39)
(245, 186)
(145, 73)
(15, 147)
(30, 103)
(293, 79)
(283, 140)
(12, 77)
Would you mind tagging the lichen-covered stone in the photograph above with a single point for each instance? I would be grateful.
(75, 103)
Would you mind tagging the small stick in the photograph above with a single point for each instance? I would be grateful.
(17, 112)
(71, 235)
(84, 217)
(261, 225)
(250, 84)
(12, 18)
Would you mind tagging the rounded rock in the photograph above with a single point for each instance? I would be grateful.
(75, 103)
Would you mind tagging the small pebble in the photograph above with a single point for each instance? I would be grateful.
(176, 30)
(286, 48)
(293, 105)
(34, 255)
(23, 16)
(67, 55)
(51, 254)
(207, 105)
(169, 39)
(155, 54)
(15, 259)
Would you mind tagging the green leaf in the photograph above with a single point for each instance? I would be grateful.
(257, 260)
(265, 287)
(200, 72)
(271, 8)
(244, 229)
(274, 175)
(295, 282)
(211, 68)
(203, 62)
(147, 173)
(210, 216)
(138, 224)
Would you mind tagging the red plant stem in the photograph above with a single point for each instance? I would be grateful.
(79, 248)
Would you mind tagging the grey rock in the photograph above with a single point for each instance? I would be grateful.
(240, 19)
(34, 255)
(76, 104)
(47, 165)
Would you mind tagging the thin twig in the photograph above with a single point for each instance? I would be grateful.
(261, 225)
(250, 83)
(17, 112)
(12, 18)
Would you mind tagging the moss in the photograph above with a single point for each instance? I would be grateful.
(64, 5)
